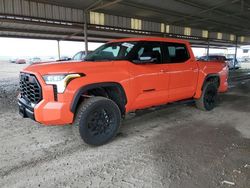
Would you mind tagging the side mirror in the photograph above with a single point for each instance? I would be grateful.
(146, 58)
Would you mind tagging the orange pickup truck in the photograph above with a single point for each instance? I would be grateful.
(119, 77)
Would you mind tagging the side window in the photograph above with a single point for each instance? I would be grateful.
(176, 53)
(150, 48)
(140, 52)
(127, 51)
(113, 50)
(171, 51)
(157, 49)
(110, 52)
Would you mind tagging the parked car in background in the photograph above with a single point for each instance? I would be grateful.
(35, 60)
(229, 61)
(20, 61)
(212, 58)
(80, 56)
(64, 58)
(13, 60)
(245, 60)
(51, 59)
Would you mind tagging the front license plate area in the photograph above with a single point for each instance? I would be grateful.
(22, 111)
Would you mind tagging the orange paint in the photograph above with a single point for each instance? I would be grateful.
(145, 85)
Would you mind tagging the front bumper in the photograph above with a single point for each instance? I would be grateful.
(46, 112)
(50, 109)
(25, 110)
(53, 113)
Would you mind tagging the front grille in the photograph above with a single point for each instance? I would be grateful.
(30, 88)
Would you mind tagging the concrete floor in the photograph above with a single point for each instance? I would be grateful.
(172, 146)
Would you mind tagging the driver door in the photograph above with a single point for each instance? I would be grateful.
(148, 79)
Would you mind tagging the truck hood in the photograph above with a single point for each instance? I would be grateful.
(66, 67)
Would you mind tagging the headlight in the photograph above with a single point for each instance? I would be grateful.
(60, 81)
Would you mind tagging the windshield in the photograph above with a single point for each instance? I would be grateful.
(112, 51)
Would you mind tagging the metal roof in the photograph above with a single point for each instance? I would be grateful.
(229, 16)
(224, 20)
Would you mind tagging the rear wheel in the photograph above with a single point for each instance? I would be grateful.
(98, 119)
(208, 99)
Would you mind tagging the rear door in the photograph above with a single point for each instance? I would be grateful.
(182, 70)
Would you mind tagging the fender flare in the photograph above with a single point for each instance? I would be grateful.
(209, 76)
(200, 87)
(85, 88)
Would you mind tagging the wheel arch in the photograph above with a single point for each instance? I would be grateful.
(211, 77)
(204, 79)
(86, 88)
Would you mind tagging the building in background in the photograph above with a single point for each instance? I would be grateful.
(242, 53)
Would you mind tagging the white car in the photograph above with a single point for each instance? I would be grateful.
(35, 60)
(231, 62)
(80, 56)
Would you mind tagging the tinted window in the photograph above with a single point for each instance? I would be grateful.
(176, 53)
(245, 51)
(217, 58)
(152, 48)
(203, 58)
(112, 51)
(213, 58)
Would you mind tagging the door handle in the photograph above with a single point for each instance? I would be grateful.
(163, 70)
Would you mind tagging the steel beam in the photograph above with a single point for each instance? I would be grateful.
(104, 5)
(177, 14)
(94, 6)
(37, 21)
(86, 11)
(235, 53)
(208, 46)
(212, 9)
(32, 31)
(86, 33)
(72, 35)
(58, 49)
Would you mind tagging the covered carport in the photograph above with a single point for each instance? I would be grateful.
(203, 23)
(167, 146)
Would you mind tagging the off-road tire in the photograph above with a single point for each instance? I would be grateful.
(208, 99)
(98, 119)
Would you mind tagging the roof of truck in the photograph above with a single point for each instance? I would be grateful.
(158, 39)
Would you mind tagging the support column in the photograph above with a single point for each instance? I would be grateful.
(58, 49)
(208, 46)
(86, 32)
(235, 53)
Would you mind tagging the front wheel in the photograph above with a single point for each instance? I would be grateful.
(208, 99)
(98, 119)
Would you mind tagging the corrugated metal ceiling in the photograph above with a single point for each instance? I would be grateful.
(63, 19)
(216, 15)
